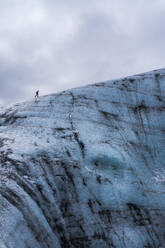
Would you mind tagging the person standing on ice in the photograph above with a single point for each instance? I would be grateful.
(37, 93)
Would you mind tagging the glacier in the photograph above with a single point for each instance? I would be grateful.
(85, 167)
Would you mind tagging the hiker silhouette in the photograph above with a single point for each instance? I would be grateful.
(37, 93)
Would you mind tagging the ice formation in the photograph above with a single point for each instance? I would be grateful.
(86, 167)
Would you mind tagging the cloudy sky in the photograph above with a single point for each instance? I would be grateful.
(53, 45)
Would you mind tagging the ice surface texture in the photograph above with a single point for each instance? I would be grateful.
(86, 167)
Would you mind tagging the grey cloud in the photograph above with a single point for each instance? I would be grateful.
(55, 45)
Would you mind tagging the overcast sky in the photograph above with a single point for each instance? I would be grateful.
(53, 45)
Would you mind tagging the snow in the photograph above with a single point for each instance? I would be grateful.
(85, 168)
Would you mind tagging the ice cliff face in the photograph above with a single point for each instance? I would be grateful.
(85, 168)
